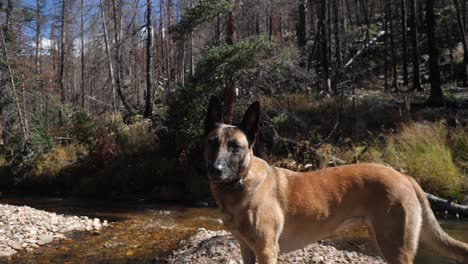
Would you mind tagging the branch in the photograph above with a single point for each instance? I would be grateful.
(440, 205)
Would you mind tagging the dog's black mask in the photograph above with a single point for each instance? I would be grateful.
(228, 149)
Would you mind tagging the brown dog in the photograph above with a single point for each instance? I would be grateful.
(271, 209)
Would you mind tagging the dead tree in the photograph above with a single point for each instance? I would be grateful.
(436, 97)
(149, 58)
(23, 123)
(230, 89)
(415, 47)
(109, 58)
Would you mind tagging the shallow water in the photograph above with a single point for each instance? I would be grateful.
(142, 231)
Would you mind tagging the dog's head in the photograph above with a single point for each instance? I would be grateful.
(228, 149)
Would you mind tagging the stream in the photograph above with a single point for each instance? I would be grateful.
(142, 231)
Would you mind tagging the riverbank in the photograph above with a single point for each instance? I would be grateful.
(23, 228)
(214, 247)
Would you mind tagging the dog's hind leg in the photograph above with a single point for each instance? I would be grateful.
(396, 231)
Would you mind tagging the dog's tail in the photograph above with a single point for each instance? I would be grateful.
(432, 234)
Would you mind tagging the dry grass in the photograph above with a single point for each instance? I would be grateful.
(422, 150)
(51, 164)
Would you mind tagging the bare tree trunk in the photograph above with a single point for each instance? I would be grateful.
(23, 123)
(118, 54)
(464, 42)
(326, 83)
(109, 58)
(63, 52)
(436, 97)
(392, 44)
(37, 62)
(230, 89)
(301, 25)
(386, 3)
(149, 58)
(415, 47)
(82, 83)
(338, 54)
(404, 28)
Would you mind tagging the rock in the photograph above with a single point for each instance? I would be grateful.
(7, 253)
(45, 239)
(220, 247)
(26, 228)
(15, 245)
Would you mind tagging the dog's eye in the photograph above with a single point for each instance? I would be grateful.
(234, 146)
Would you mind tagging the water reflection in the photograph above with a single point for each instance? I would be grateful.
(141, 231)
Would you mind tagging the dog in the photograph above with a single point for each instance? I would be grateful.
(270, 209)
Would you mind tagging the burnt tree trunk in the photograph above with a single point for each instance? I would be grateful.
(436, 97)
(415, 47)
(149, 58)
(404, 28)
(230, 88)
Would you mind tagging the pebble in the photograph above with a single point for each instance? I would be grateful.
(25, 228)
(216, 247)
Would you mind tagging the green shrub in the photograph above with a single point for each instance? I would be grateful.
(83, 127)
(137, 138)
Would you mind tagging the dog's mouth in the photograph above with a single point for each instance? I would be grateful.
(229, 184)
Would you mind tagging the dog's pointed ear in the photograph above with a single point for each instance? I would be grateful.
(250, 122)
(215, 114)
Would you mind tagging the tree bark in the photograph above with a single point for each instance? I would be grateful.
(63, 49)
(386, 3)
(118, 55)
(415, 47)
(37, 62)
(326, 83)
(82, 82)
(301, 25)
(404, 28)
(464, 41)
(149, 59)
(23, 123)
(230, 88)
(392, 46)
(440, 205)
(436, 97)
(109, 58)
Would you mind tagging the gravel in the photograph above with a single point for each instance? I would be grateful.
(25, 228)
(220, 247)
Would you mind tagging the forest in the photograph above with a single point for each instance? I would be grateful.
(108, 98)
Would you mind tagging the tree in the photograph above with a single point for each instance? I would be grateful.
(63, 49)
(404, 28)
(82, 83)
(230, 89)
(415, 47)
(325, 71)
(462, 32)
(149, 61)
(436, 97)
(109, 57)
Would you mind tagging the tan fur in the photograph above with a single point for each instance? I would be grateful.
(271, 209)
(281, 210)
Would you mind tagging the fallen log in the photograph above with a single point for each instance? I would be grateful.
(440, 205)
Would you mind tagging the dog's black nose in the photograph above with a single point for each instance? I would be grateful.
(216, 169)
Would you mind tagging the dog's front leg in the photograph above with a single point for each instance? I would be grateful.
(267, 253)
(248, 256)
